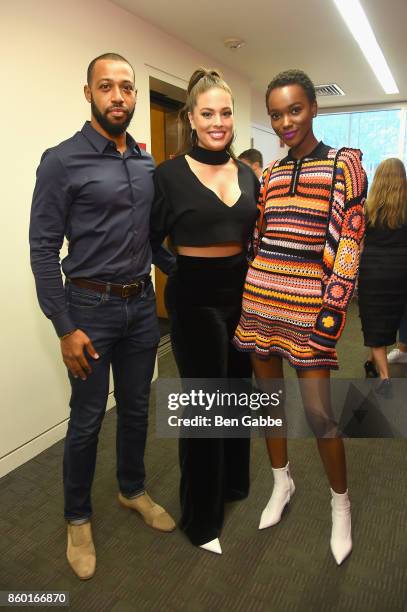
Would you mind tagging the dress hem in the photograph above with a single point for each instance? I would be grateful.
(281, 353)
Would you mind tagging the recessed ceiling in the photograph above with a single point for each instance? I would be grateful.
(306, 34)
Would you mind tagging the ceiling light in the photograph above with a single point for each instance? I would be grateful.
(234, 43)
(357, 22)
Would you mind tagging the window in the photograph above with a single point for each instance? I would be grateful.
(333, 129)
(376, 133)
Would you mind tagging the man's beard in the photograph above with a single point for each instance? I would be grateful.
(113, 129)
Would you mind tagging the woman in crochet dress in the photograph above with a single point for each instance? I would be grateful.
(300, 282)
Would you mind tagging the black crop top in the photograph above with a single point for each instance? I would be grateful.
(192, 214)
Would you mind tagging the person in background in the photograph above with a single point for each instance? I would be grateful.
(399, 354)
(382, 292)
(254, 159)
(206, 202)
(396, 355)
(298, 287)
(96, 189)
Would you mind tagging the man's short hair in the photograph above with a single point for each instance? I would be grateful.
(252, 156)
(112, 56)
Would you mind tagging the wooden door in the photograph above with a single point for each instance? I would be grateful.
(157, 119)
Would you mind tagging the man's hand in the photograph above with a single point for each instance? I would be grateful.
(73, 353)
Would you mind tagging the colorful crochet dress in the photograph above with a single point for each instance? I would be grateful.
(306, 258)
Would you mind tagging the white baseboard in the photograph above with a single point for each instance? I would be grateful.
(33, 448)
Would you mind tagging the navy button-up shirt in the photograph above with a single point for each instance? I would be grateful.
(101, 201)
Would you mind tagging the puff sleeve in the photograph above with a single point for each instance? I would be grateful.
(342, 248)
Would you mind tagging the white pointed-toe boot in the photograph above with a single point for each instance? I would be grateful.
(212, 546)
(283, 491)
(341, 536)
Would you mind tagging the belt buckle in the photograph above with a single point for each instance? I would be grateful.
(126, 289)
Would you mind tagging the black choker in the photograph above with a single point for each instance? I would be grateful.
(207, 156)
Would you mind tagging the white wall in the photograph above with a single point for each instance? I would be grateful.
(263, 137)
(269, 145)
(258, 108)
(46, 46)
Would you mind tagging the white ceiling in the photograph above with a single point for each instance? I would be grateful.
(306, 34)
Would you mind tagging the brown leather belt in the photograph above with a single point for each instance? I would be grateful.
(123, 291)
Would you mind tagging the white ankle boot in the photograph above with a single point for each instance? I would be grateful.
(341, 536)
(283, 490)
(212, 546)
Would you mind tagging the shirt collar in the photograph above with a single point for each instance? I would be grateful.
(100, 143)
(320, 151)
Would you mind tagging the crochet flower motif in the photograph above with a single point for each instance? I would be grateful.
(337, 291)
(346, 261)
(355, 221)
(328, 322)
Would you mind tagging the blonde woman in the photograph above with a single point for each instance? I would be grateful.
(205, 201)
(383, 267)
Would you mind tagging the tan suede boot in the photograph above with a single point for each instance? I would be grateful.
(153, 515)
(80, 551)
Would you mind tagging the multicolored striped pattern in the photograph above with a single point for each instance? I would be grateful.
(302, 278)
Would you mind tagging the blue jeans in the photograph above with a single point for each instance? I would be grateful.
(125, 334)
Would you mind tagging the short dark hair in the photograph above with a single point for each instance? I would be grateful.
(112, 56)
(292, 77)
(252, 156)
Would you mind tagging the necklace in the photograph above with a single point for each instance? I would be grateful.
(206, 156)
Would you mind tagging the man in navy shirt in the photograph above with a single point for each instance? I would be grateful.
(96, 189)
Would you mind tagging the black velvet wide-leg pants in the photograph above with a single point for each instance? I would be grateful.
(204, 301)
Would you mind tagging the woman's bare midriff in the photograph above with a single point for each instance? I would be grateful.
(212, 250)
